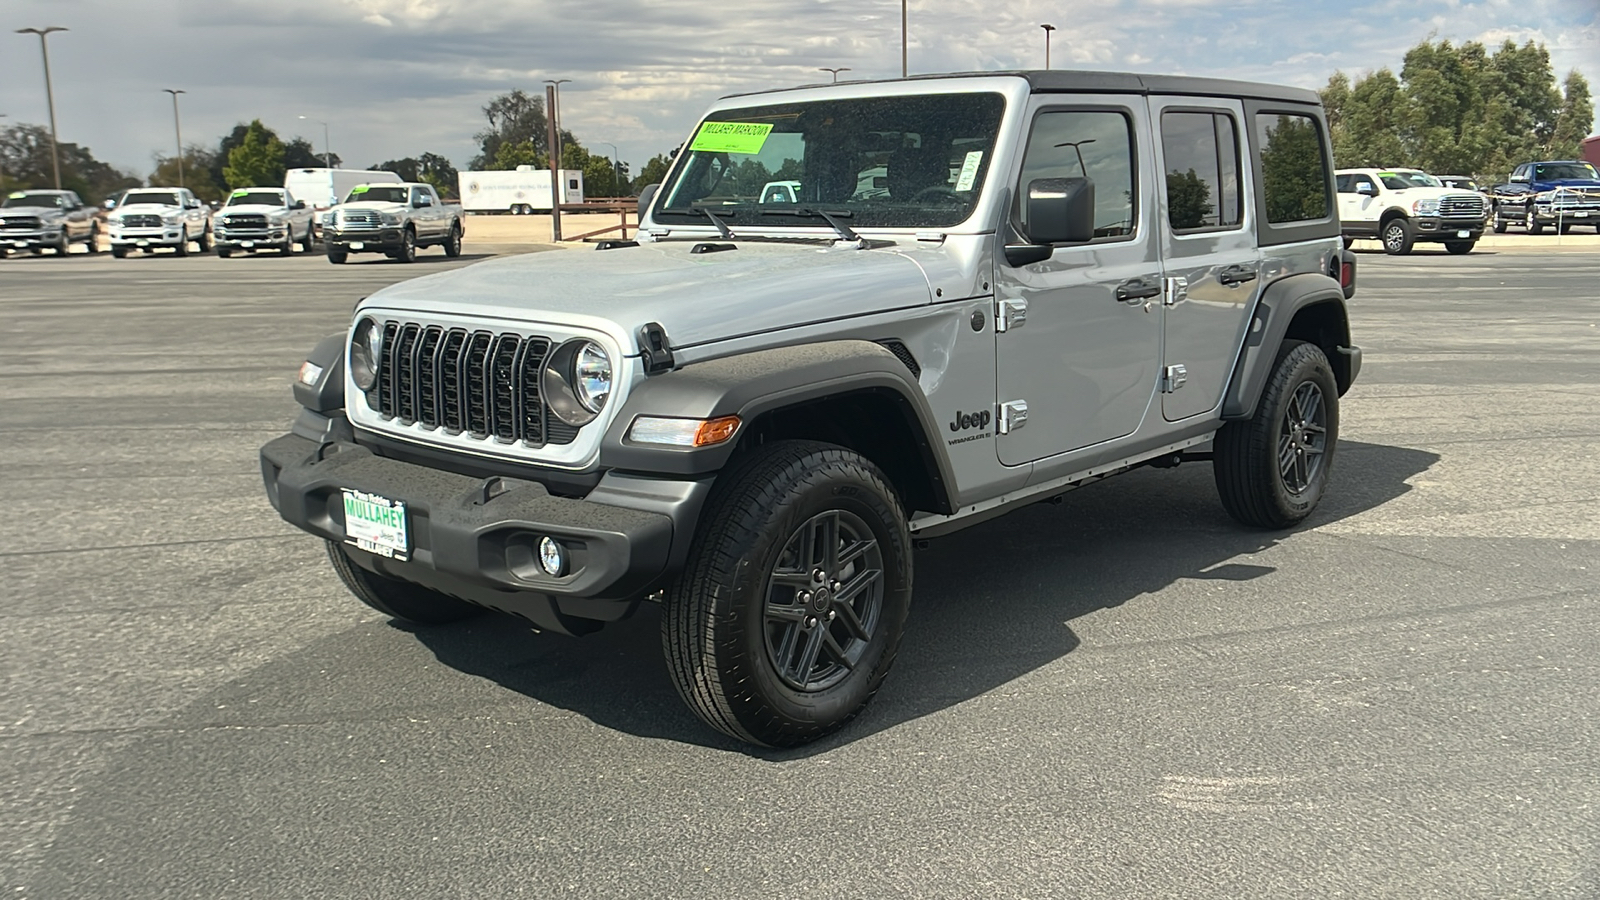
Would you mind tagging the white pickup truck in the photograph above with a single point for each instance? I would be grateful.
(392, 219)
(149, 218)
(262, 218)
(1403, 206)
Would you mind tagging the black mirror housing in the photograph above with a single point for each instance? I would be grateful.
(647, 194)
(1061, 211)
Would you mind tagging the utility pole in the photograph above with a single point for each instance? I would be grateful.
(49, 96)
(902, 38)
(552, 102)
(1047, 30)
(178, 128)
(2, 159)
(327, 152)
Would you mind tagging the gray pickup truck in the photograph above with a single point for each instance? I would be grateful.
(984, 291)
(393, 219)
(46, 220)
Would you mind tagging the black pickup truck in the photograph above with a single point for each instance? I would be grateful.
(1557, 194)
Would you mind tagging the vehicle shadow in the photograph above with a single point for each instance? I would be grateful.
(991, 604)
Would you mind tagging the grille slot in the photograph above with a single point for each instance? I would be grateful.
(1461, 206)
(479, 383)
(20, 222)
(141, 221)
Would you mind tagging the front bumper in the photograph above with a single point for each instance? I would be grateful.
(146, 238)
(30, 240)
(378, 239)
(1433, 228)
(1584, 215)
(270, 238)
(478, 538)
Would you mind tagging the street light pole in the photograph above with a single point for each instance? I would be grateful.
(616, 168)
(1047, 30)
(178, 129)
(552, 101)
(2, 160)
(50, 98)
(834, 71)
(902, 38)
(327, 152)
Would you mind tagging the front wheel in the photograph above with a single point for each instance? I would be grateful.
(1272, 469)
(789, 613)
(183, 245)
(1398, 237)
(397, 599)
(1500, 222)
(224, 252)
(1460, 247)
(119, 252)
(1531, 223)
(337, 256)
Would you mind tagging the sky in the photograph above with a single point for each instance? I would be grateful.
(396, 78)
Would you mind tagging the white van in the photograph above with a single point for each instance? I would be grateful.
(322, 188)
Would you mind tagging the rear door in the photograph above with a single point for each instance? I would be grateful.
(1210, 261)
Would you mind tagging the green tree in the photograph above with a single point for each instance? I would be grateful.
(1188, 200)
(429, 167)
(25, 162)
(1573, 119)
(654, 172)
(197, 165)
(509, 155)
(1292, 172)
(257, 161)
(515, 118)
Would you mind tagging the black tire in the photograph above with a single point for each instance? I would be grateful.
(337, 256)
(1460, 247)
(1398, 237)
(224, 252)
(310, 241)
(408, 246)
(1500, 222)
(1530, 221)
(206, 241)
(63, 246)
(452, 244)
(183, 245)
(287, 249)
(119, 252)
(398, 599)
(92, 245)
(734, 614)
(1564, 227)
(1258, 485)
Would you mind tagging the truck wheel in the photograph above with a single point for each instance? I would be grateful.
(337, 256)
(1500, 222)
(183, 245)
(1530, 221)
(64, 245)
(789, 613)
(205, 241)
(408, 247)
(119, 252)
(1460, 247)
(1398, 237)
(224, 252)
(452, 244)
(310, 241)
(288, 242)
(92, 245)
(399, 599)
(1272, 469)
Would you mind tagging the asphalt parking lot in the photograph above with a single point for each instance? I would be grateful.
(1123, 696)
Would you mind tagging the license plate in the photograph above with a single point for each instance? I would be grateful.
(247, 244)
(357, 245)
(1579, 214)
(141, 243)
(20, 245)
(376, 524)
(1463, 234)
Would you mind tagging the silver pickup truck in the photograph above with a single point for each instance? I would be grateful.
(393, 219)
(39, 220)
(262, 218)
(754, 412)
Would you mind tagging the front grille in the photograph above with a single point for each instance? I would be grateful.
(20, 223)
(244, 221)
(141, 221)
(480, 383)
(359, 221)
(1461, 206)
(1570, 200)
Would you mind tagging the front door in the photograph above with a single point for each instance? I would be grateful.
(1082, 343)
(1209, 254)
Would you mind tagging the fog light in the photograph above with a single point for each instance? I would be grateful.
(552, 557)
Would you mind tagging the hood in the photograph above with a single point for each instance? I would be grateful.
(32, 211)
(254, 209)
(697, 297)
(372, 207)
(147, 209)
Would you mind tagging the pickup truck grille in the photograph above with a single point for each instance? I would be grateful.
(141, 221)
(1461, 206)
(480, 383)
(356, 221)
(20, 223)
(243, 220)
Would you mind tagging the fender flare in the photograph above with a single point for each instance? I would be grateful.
(1275, 310)
(749, 385)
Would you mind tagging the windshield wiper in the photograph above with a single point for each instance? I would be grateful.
(832, 218)
(722, 227)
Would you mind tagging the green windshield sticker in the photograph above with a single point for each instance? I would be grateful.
(241, 193)
(17, 195)
(731, 137)
(359, 189)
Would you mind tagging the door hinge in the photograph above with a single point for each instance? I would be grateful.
(1174, 377)
(1009, 314)
(1013, 415)
(1177, 290)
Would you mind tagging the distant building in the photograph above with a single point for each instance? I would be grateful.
(1591, 150)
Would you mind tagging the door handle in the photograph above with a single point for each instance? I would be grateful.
(1237, 275)
(1136, 289)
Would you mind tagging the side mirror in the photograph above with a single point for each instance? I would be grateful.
(647, 195)
(1367, 187)
(299, 204)
(110, 204)
(1060, 211)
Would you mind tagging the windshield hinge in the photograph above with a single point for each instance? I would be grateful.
(930, 237)
(655, 349)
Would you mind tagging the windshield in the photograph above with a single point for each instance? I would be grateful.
(256, 198)
(896, 162)
(1561, 171)
(1421, 179)
(50, 201)
(163, 198)
(368, 193)
(1394, 181)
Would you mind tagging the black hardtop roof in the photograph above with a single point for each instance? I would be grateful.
(1053, 81)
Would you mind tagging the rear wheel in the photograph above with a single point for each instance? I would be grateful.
(789, 614)
(205, 241)
(309, 242)
(1460, 247)
(399, 599)
(1398, 237)
(452, 244)
(1272, 469)
(92, 245)
(408, 246)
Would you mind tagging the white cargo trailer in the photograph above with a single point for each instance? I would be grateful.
(322, 188)
(522, 190)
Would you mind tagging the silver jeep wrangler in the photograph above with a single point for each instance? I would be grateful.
(983, 291)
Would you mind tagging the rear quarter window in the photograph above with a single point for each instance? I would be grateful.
(1293, 173)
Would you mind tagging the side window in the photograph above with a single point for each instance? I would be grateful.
(1201, 151)
(1344, 184)
(1294, 170)
(1093, 143)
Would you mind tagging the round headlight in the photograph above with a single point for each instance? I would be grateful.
(366, 351)
(591, 376)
